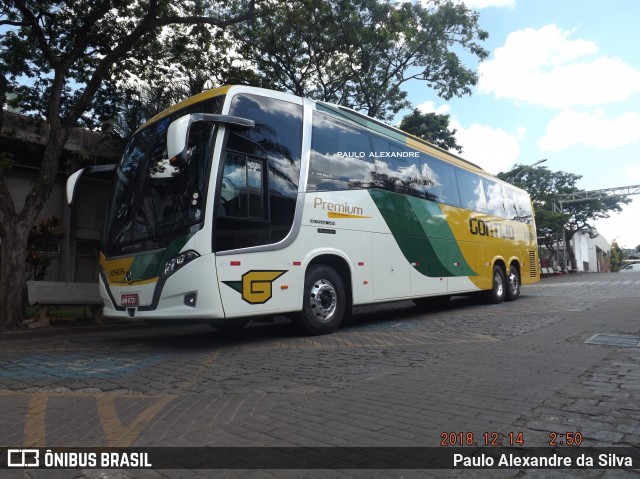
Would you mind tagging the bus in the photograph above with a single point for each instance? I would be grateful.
(242, 202)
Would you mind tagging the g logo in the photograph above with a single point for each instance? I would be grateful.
(256, 286)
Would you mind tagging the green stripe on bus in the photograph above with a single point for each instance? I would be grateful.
(149, 266)
(422, 233)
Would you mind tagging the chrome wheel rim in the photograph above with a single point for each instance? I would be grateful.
(514, 285)
(323, 300)
(499, 285)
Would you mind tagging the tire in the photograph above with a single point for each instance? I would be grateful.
(323, 302)
(513, 284)
(498, 292)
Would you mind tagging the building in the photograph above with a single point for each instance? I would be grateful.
(75, 256)
(592, 254)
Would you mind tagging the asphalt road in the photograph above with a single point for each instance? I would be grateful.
(399, 376)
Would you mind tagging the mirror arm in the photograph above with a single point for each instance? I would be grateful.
(234, 121)
(73, 180)
(178, 132)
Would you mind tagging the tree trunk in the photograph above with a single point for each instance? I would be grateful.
(12, 274)
(572, 255)
(16, 228)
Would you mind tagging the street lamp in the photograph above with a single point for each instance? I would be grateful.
(521, 170)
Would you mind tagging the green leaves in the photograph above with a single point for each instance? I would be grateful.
(360, 53)
(71, 59)
(431, 127)
(545, 188)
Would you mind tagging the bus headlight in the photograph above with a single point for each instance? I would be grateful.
(178, 261)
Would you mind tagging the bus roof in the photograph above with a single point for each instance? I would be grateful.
(205, 95)
(340, 111)
(396, 133)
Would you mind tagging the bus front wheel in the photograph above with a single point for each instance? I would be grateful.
(324, 301)
(498, 291)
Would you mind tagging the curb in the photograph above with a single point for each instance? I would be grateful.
(67, 330)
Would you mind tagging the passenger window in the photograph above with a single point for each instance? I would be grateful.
(278, 130)
(272, 183)
(439, 181)
(340, 156)
(472, 195)
(397, 167)
(510, 203)
(495, 201)
(241, 194)
(523, 207)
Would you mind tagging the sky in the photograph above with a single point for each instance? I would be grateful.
(562, 82)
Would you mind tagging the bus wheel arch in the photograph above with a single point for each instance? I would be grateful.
(513, 282)
(326, 298)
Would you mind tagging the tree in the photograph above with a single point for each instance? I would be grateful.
(43, 238)
(64, 62)
(617, 257)
(544, 186)
(431, 127)
(359, 53)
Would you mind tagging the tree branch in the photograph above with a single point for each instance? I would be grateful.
(102, 69)
(32, 22)
(7, 207)
(13, 24)
(148, 23)
(160, 22)
(79, 42)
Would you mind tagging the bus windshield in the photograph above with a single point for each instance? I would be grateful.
(156, 198)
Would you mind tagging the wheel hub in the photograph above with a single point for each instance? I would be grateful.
(513, 283)
(499, 285)
(323, 300)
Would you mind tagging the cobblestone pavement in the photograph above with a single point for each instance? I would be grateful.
(399, 376)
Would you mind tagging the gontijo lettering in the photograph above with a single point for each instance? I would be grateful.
(492, 229)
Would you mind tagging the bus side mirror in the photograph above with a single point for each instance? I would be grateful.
(178, 131)
(177, 137)
(74, 179)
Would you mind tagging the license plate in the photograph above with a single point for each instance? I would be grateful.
(130, 299)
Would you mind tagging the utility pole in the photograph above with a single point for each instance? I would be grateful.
(526, 167)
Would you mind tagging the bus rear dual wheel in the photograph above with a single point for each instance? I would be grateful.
(504, 288)
(324, 301)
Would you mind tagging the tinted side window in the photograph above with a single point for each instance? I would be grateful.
(278, 132)
(471, 189)
(242, 187)
(523, 207)
(495, 200)
(510, 202)
(397, 167)
(340, 155)
(439, 181)
(242, 213)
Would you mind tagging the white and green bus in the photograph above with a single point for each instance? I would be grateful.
(242, 202)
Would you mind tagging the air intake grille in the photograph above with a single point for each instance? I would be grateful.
(533, 265)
